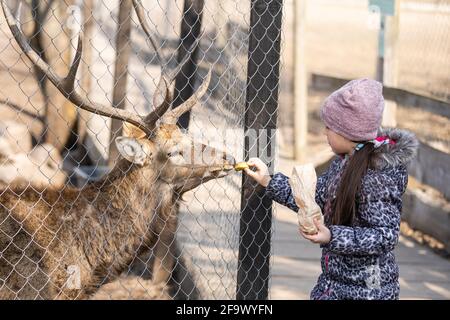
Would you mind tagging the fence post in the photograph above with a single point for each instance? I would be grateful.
(300, 82)
(390, 68)
(387, 62)
(260, 122)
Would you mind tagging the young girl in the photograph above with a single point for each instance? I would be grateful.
(360, 195)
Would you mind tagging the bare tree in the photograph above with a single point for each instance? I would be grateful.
(52, 40)
(86, 76)
(123, 50)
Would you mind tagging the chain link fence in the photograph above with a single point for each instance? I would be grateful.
(423, 42)
(341, 41)
(153, 227)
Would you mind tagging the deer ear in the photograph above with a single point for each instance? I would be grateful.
(132, 131)
(133, 150)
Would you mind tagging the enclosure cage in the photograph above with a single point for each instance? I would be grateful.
(51, 146)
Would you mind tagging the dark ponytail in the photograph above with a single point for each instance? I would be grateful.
(345, 203)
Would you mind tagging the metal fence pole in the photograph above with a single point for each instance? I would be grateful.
(260, 118)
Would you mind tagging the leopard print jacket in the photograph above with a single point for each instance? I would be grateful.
(358, 262)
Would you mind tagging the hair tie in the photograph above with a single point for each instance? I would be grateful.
(381, 141)
(377, 142)
(359, 146)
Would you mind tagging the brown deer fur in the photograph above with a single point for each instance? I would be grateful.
(47, 235)
(97, 229)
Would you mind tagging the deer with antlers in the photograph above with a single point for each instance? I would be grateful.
(64, 244)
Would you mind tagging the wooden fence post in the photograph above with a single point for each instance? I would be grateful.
(123, 51)
(300, 81)
(387, 62)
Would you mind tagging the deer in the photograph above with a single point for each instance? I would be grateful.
(22, 164)
(39, 167)
(66, 243)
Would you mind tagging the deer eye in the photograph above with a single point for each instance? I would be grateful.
(174, 153)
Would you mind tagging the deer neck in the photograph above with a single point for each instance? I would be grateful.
(130, 198)
(129, 186)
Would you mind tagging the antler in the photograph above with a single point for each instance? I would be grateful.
(162, 98)
(174, 114)
(140, 12)
(66, 85)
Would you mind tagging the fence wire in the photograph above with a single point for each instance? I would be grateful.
(423, 41)
(71, 224)
(342, 42)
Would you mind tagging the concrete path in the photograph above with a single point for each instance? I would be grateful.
(296, 262)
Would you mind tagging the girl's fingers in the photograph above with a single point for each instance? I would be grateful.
(250, 173)
(318, 224)
(254, 165)
(309, 237)
(252, 161)
(302, 234)
(251, 165)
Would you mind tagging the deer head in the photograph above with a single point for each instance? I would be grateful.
(152, 141)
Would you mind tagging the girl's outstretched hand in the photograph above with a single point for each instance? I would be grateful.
(323, 236)
(261, 175)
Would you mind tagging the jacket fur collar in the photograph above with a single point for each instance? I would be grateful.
(391, 155)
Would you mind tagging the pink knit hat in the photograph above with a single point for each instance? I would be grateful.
(355, 111)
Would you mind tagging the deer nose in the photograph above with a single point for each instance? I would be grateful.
(229, 159)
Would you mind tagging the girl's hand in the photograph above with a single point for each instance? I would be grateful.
(261, 175)
(323, 236)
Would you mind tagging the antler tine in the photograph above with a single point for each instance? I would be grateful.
(67, 85)
(162, 90)
(161, 101)
(168, 77)
(174, 114)
(177, 70)
(140, 12)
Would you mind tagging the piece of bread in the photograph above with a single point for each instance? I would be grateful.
(303, 183)
(241, 166)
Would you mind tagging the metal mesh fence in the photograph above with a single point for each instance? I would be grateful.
(151, 227)
(423, 42)
(342, 42)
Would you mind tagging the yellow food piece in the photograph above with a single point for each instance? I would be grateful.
(241, 166)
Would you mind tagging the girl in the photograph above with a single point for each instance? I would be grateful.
(360, 195)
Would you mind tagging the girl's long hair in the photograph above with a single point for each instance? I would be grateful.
(345, 205)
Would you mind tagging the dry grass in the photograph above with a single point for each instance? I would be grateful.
(424, 239)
